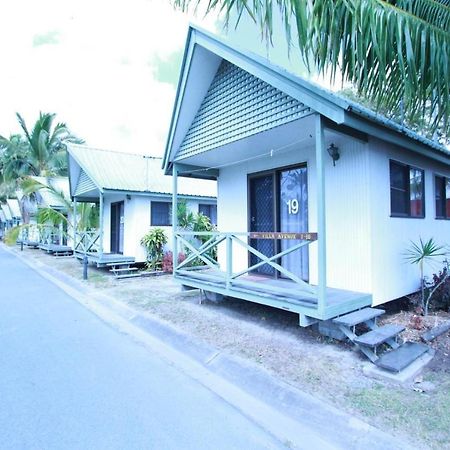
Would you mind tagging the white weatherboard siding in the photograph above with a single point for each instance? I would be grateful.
(137, 213)
(348, 212)
(392, 276)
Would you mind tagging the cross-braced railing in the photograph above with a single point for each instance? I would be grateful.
(87, 241)
(200, 248)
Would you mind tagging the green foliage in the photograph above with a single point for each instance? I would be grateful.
(420, 253)
(395, 52)
(154, 242)
(40, 151)
(12, 235)
(87, 216)
(438, 288)
(185, 217)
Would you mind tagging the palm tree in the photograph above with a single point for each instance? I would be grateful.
(13, 153)
(87, 213)
(47, 152)
(395, 52)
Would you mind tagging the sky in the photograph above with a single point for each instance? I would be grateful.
(107, 68)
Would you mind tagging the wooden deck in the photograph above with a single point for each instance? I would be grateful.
(105, 259)
(56, 248)
(279, 293)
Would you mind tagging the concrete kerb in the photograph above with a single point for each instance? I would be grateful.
(294, 417)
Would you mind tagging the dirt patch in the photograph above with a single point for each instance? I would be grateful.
(416, 325)
(273, 340)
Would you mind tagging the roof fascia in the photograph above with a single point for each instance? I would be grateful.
(182, 79)
(384, 133)
(151, 194)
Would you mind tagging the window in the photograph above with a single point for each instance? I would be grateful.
(209, 211)
(407, 190)
(442, 197)
(161, 214)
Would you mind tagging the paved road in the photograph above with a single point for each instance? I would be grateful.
(68, 380)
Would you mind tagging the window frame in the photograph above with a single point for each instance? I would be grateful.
(169, 213)
(407, 168)
(444, 198)
(211, 206)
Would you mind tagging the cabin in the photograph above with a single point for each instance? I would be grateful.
(16, 214)
(55, 238)
(9, 220)
(318, 196)
(134, 196)
(2, 223)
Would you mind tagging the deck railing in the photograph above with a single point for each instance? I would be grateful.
(87, 241)
(200, 248)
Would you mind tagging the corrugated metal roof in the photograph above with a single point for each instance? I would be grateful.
(14, 207)
(47, 197)
(6, 211)
(117, 171)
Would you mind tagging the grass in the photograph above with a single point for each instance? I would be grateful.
(422, 415)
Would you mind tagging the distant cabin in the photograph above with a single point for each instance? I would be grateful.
(134, 196)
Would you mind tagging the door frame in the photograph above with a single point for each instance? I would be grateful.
(116, 205)
(276, 171)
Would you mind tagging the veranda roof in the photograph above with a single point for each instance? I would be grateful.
(14, 207)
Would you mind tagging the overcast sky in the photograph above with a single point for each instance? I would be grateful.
(107, 68)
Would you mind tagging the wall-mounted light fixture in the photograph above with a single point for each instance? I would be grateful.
(333, 151)
(128, 197)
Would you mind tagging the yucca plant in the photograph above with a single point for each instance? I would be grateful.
(154, 242)
(395, 52)
(420, 253)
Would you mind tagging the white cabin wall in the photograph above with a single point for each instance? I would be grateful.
(347, 209)
(348, 216)
(392, 275)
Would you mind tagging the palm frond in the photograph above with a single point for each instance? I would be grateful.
(395, 52)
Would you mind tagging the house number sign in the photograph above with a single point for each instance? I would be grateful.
(281, 235)
(292, 205)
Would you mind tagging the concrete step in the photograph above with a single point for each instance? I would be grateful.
(128, 275)
(379, 335)
(397, 360)
(356, 317)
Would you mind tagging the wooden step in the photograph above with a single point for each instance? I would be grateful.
(123, 269)
(397, 360)
(356, 317)
(379, 335)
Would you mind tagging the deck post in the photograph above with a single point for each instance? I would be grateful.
(100, 245)
(174, 216)
(321, 216)
(229, 261)
(74, 222)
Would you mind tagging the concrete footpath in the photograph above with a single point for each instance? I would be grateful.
(292, 416)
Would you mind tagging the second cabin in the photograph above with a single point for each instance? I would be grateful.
(134, 196)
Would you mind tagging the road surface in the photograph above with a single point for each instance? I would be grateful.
(69, 381)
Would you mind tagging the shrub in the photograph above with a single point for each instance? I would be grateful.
(167, 262)
(439, 288)
(154, 242)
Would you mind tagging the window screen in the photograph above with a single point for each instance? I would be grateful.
(161, 214)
